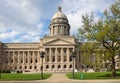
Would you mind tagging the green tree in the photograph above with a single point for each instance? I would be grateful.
(91, 55)
(105, 31)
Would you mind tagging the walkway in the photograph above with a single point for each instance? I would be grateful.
(61, 78)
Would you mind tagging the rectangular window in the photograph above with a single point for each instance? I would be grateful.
(53, 58)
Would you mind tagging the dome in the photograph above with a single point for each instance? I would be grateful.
(59, 14)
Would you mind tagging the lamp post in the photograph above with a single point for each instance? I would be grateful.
(73, 58)
(42, 56)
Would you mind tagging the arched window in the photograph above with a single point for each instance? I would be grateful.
(53, 66)
(30, 67)
(31, 60)
(53, 29)
(35, 67)
(59, 66)
(20, 67)
(47, 66)
(25, 67)
(53, 58)
(70, 66)
(65, 66)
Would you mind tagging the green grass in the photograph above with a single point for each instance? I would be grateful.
(94, 75)
(6, 76)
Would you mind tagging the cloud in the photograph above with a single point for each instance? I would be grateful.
(6, 35)
(28, 20)
(75, 9)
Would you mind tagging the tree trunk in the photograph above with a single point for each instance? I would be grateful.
(113, 67)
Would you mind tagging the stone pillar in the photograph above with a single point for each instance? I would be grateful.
(13, 57)
(56, 55)
(33, 57)
(18, 57)
(28, 57)
(8, 57)
(23, 55)
(38, 57)
(50, 57)
(62, 56)
(68, 55)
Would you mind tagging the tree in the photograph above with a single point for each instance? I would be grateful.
(105, 31)
(91, 55)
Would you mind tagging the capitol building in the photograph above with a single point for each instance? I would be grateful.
(58, 47)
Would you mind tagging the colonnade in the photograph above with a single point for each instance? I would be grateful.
(54, 59)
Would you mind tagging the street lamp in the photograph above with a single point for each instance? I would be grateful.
(73, 58)
(42, 56)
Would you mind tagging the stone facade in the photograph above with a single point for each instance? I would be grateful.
(1, 54)
(58, 47)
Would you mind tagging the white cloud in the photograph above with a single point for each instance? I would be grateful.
(6, 35)
(75, 9)
(25, 20)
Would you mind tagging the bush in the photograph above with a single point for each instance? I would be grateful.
(5, 71)
(117, 69)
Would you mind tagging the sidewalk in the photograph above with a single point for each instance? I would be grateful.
(58, 78)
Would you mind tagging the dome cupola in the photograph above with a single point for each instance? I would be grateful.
(59, 24)
(59, 14)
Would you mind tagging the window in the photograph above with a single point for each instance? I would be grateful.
(59, 66)
(47, 58)
(53, 58)
(64, 50)
(26, 60)
(47, 66)
(35, 67)
(53, 66)
(35, 60)
(53, 29)
(20, 67)
(64, 66)
(21, 60)
(31, 60)
(59, 58)
(70, 58)
(70, 66)
(30, 67)
(15, 67)
(65, 58)
(25, 67)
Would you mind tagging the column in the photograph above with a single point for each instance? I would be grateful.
(23, 54)
(9, 59)
(68, 55)
(28, 57)
(13, 57)
(13, 66)
(50, 56)
(18, 57)
(38, 57)
(56, 55)
(33, 58)
(62, 55)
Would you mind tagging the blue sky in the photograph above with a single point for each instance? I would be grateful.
(28, 20)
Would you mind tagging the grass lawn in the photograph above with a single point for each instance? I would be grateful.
(94, 75)
(8, 76)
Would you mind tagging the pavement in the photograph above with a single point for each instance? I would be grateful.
(62, 78)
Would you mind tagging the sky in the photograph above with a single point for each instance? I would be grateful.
(28, 20)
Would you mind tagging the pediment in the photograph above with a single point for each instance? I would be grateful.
(58, 42)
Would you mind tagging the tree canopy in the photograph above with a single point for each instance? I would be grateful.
(105, 31)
